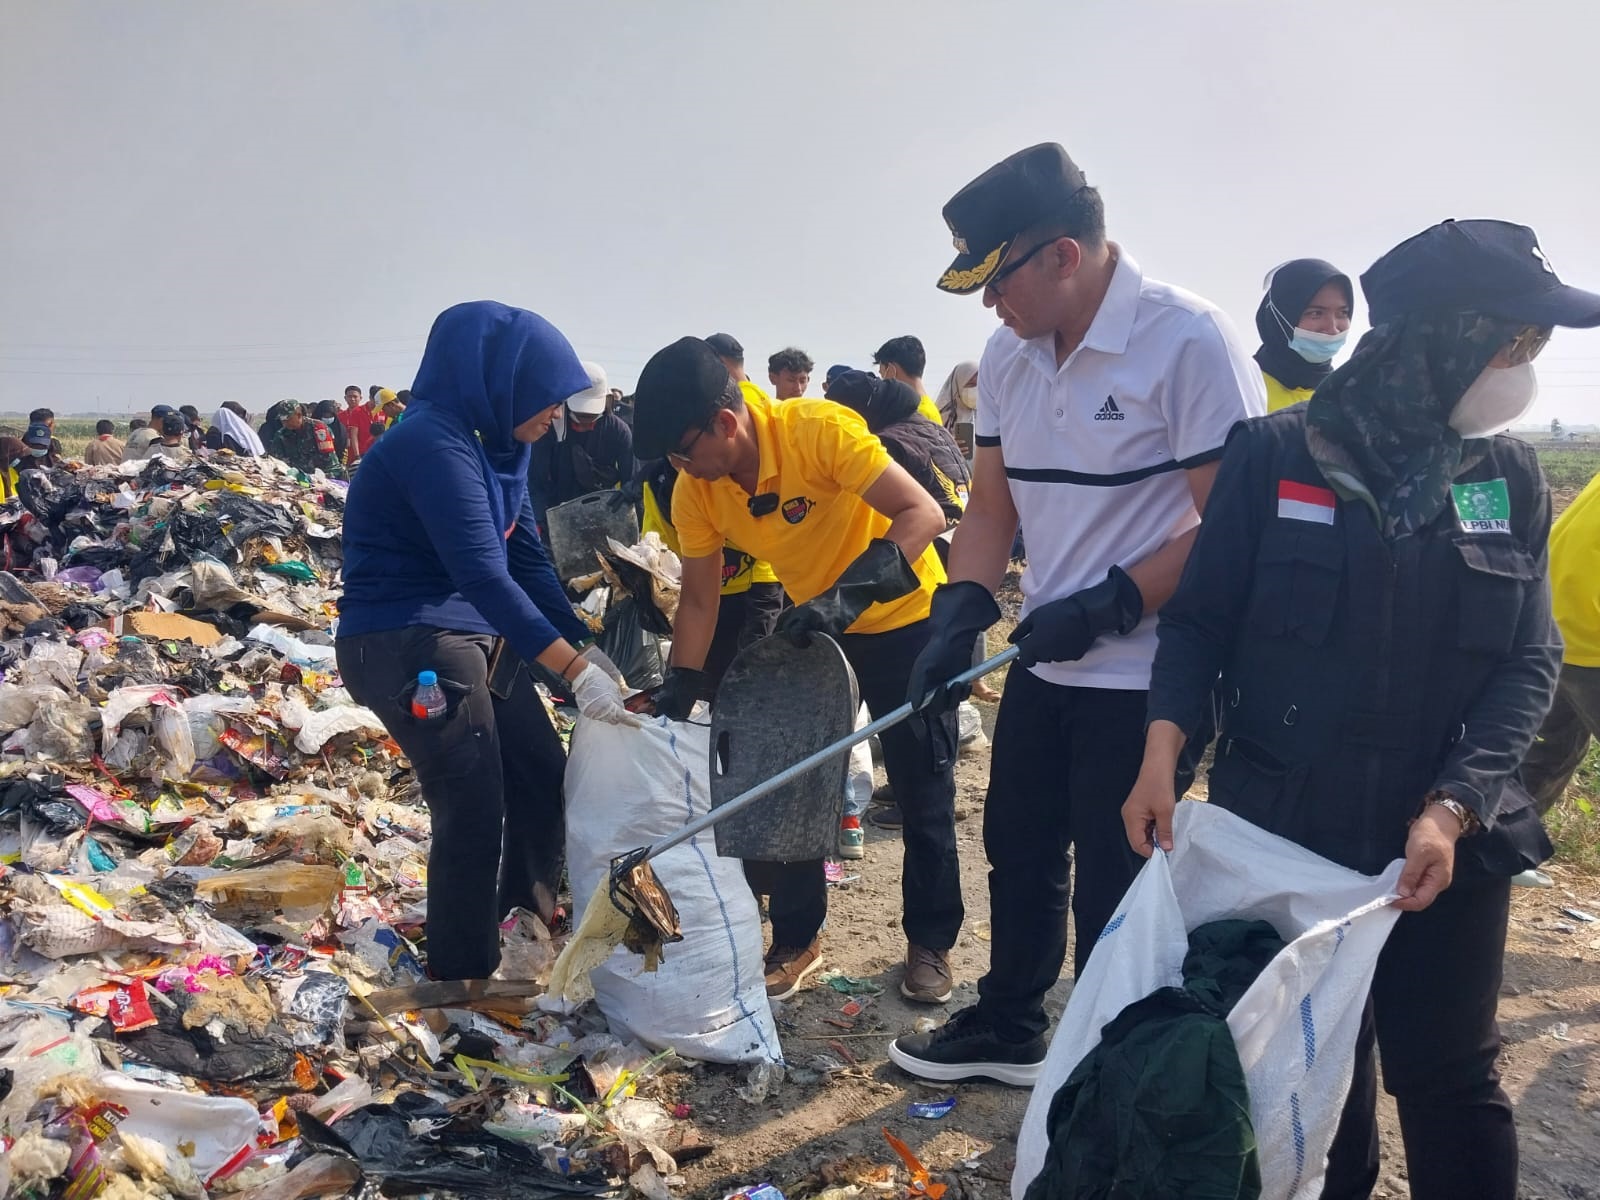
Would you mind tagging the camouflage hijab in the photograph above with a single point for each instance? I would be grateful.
(1377, 426)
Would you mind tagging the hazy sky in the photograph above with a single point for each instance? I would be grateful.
(203, 202)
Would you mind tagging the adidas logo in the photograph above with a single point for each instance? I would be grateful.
(1109, 411)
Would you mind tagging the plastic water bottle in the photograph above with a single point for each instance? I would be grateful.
(427, 702)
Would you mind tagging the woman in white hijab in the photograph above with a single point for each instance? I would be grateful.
(230, 430)
(958, 398)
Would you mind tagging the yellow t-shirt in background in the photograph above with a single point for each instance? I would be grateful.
(817, 458)
(1575, 577)
(1279, 396)
(739, 570)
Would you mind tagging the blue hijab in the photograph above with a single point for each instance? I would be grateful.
(491, 367)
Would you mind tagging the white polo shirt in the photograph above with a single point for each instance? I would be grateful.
(1095, 450)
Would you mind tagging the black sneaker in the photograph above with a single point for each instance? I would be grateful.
(965, 1047)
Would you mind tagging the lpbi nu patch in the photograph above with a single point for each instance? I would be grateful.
(1483, 507)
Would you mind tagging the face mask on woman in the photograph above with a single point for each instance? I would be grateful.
(969, 396)
(1316, 347)
(1497, 400)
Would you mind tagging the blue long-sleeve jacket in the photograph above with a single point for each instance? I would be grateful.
(421, 545)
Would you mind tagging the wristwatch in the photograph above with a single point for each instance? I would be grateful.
(1469, 819)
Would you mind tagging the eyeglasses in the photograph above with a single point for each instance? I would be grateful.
(1011, 268)
(682, 453)
(1525, 347)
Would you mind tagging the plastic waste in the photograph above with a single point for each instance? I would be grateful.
(301, 653)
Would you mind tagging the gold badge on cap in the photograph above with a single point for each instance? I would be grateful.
(965, 281)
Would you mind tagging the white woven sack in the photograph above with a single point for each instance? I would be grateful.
(625, 788)
(1295, 1027)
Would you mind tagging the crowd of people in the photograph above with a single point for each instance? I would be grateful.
(1361, 625)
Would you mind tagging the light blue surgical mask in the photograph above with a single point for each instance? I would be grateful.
(1317, 347)
(38, 451)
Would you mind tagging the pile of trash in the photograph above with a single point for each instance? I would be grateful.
(213, 869)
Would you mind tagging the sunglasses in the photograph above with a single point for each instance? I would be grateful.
(1525, 347)
(1011, 268)
(682, 454)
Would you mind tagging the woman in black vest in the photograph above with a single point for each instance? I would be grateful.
(1370, 586)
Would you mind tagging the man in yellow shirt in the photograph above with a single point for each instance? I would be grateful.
(1574, 717)
(805, 486)
(751, 596)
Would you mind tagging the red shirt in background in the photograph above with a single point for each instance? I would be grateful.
(357, 419)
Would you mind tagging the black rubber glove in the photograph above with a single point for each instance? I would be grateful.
(878, 574)
(961, 611)
(1063, 630)
(679, 691)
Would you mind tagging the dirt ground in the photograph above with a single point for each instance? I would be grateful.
(810, 1134)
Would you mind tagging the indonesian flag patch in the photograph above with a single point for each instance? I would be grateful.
(1302, 502)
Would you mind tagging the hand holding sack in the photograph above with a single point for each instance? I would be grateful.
(599, 698)
(676, 697)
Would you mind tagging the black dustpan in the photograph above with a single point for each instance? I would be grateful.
(778, 704)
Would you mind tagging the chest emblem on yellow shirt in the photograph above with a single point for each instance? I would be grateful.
(795, 510)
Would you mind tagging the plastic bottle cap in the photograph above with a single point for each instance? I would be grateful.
(427, 678)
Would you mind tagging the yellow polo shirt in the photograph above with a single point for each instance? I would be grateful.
(930, 410)
(1279, 396)
(817, 458)
(739, 570)
(1575, 577)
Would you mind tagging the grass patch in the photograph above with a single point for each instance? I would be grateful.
(1568, 466)
(1574, 822)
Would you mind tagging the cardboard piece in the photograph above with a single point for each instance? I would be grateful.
(171, 627)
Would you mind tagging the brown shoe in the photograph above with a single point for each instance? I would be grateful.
(787, 967)
(927, 977)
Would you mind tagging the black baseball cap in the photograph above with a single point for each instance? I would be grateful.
(1017, 192)
(1489, 267)
(679, 389)
(726, 346)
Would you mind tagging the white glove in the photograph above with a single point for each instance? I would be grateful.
(600, 699)
(595, 656)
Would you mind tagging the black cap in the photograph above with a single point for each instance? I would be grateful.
(162, 410)
(38, 435)
(173, 424)
(726, 346)
(679, 389)
(1029, 187)
(1489, 267)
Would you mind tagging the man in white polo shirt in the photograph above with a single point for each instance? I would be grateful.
(1105, 403)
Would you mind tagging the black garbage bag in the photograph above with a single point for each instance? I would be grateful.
(241, 1058)
(44, 801)
(455, 1158)
(628, 643)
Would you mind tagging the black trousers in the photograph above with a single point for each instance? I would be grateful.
(1431, 1013)
(921, 769)
(1063, 761)
(490, 772)
(742, 619)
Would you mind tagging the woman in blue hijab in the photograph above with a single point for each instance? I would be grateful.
(444, 572)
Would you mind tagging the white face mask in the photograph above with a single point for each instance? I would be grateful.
(1497, 400)
(968, 396)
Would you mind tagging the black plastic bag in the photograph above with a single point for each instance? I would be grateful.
(626, 642)
(454, 1158)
